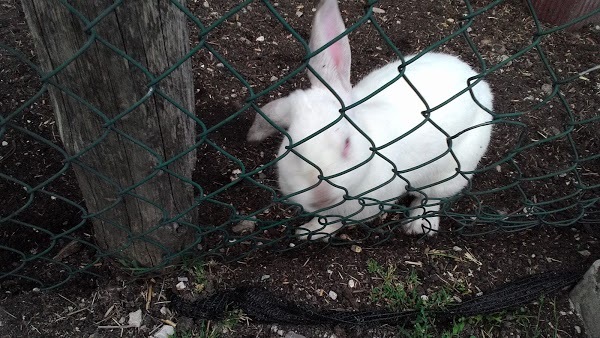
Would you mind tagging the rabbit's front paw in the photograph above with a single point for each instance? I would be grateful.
(313, 231)
(420, 226)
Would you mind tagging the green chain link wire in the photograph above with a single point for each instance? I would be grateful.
(534, 213)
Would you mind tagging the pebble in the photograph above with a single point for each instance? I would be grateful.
(274, 78)
(457, 248)
(182, 279)
(260, 38)
(505, 57)
(280, 332)
(165, 331)
(584, 253)
(4, 143)
(332, 295)
(351, 283)
(264, 277)
(577, 329)
(378, 10)
(293, 334)
(356, 248)
(180, 286)
(547, 88)
(165, 311)
(244, 226)
(135, 318)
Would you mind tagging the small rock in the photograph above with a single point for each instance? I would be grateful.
(356, 248)
(260, 38)
(351, 283)
(577, 329)
(264, 277)
(280, 332)
(450, 20)
(165, 311)
(205, 4)
(547, 88)
(244, 226)
(135, 318)
(182, 279)
(274, 328)
(332, 295)
(4, 143)
(378, 10)
(584, 253)
(292, 334)
(457, 248)
(180, 286)
(165, 331)
(585, 299)
(274, 78)
(424, 298)
(299, 14)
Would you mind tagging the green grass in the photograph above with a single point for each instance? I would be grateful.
(403, 294)
(399, 291)
(197, 271)
(213, 329)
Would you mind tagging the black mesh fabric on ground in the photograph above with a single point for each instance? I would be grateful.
(261, 305)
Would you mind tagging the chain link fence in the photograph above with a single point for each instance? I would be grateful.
(541, 167)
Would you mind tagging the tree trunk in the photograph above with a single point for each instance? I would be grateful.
(119, 149)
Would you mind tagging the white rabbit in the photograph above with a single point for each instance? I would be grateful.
(349, 176)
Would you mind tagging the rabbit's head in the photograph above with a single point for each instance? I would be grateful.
(322, 143)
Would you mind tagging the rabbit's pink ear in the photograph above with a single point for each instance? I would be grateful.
(278, 111)
(332, 64)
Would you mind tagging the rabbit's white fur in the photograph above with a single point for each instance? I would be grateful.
(353, 197)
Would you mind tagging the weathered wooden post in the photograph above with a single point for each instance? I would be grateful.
(558, 12)
(116, 156)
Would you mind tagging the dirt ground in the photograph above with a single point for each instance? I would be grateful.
(488, 253)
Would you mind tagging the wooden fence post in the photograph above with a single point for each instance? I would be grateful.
(559, 12)
(118, 177)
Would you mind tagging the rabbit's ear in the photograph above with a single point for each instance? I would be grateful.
(277, 111)
(332, 64)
